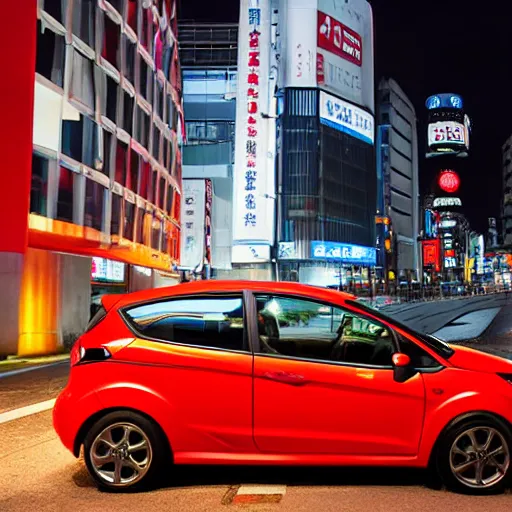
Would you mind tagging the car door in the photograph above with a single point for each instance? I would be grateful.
(324, 383)
(192, 352)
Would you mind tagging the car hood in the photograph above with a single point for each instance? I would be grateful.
(469, 359)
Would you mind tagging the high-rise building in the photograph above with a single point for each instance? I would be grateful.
(208, 53)
(507, 192)
(304, 176)
(92, 167)
(398, 188)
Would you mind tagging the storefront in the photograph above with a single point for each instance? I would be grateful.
(108, 277)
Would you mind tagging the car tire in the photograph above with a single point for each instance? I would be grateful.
(125, 451)
(474, 456)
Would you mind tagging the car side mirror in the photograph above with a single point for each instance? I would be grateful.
(401, 360)
(402, 368)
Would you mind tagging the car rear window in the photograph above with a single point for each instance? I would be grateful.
(210, 322)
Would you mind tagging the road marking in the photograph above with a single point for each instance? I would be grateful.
(28, 410)
(11, 373)
(254, 494)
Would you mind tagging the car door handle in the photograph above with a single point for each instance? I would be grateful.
(292, 379)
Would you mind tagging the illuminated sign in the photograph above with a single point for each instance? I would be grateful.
(447, 133)
(337, 38)
(431, 251)
(107, 270)
(253, 203)
(347, 118)
(445, 101)
(449, 181)
(287, 251)
(450, 263)
(346, 253)
(446, 224)
(193, 224)
(447, 201)
(450, 253)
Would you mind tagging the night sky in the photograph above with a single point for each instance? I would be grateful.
(434, 47)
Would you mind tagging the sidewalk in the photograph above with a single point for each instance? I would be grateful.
(14, 363)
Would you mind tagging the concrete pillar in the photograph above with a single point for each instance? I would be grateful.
(18, 41)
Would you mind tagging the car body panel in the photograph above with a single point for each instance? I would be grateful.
(203, 398)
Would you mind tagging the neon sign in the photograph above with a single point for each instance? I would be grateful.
(449, 181)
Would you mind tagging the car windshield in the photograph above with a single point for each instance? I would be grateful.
(438, 346)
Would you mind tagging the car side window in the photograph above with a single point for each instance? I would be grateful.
(211, 322)
(419, 358)
(306, 329)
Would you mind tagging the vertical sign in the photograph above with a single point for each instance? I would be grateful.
(193, 213)
(253, 207)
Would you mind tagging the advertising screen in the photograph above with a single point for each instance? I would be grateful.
(447, 133)
(335, 52)
(193, 223)
(440, 202)
(449, 181)
(107, 271)
(345, 117)
(345, 253)
(254, 179)
(431, 253)
(445, 101)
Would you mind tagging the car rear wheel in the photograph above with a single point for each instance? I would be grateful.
(474, 457)
(124, 450)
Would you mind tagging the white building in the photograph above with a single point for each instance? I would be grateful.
(398, 122)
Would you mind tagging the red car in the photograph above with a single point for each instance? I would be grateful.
(278, 373)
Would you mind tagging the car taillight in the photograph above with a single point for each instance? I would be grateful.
(506, 376)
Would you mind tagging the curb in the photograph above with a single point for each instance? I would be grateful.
(34, 367)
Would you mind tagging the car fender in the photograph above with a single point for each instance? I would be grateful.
(470, 403)
(138, 398)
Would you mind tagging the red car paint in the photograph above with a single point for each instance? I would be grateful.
(236, 408)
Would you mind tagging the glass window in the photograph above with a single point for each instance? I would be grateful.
(90, 145)
(170, 197)
(72, 138)
(140, 225)
(39, 185)
(143, 122)
(309, 330)
(50, 55)
(65, 195)
(94, 198)
(133, 180)
(156, 230)
(111, 39)
(121, 162)
(56, 9)
(159, 108)
(112, 92)
(129, 217)
(143, 79)
(146, 35)
(84, 20)
(82, 81)
(145, 179)
(419, 358)
(202, 321)
(130, 49)
(127, 123)
(133, 15)
(166, 152)
(161, 193)
(155, 144)
(108, 148)
(115, 223)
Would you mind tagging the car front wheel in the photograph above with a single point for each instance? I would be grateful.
(124, 450)
(474, 456)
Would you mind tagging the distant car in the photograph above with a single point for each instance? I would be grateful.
(215, 372)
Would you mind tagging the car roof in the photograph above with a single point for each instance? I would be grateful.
(214, 286)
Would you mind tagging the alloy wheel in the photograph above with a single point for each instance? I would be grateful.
(480, 457)
(121, 454)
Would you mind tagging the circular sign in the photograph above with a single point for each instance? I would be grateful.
(449, 181)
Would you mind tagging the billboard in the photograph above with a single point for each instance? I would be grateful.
(107, 271)
(345, 253)
(431, 254)
(445, 101)
(254, 176)
(448, 181)
(193, 223)
(335, 52)
(345, 117)
(447, 133)
(441, 202)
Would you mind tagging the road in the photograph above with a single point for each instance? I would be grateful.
(37, 473)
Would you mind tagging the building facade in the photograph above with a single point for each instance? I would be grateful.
(97, 123)
(507, 193)
(208, 54)
(398, 196)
